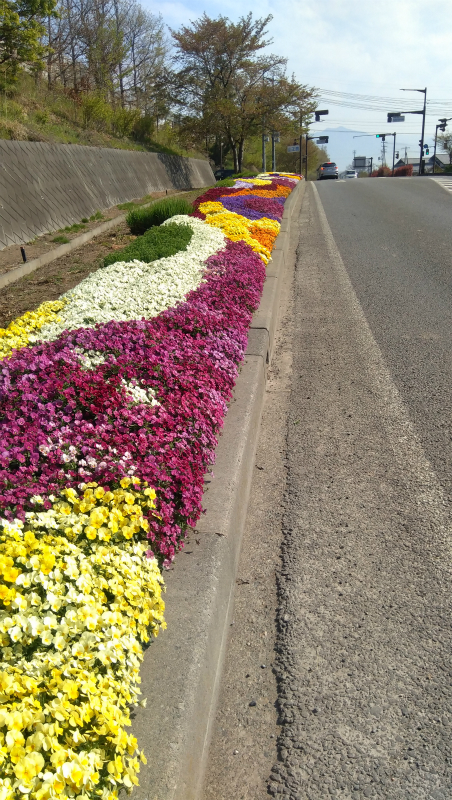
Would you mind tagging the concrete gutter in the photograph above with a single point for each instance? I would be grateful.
(182, 670)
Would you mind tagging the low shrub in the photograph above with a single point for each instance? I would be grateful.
(448, 168)
(141, 219)
(156, 243)
(406, 170)
(381, 172)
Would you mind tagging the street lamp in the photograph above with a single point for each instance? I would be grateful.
(441, 127)
(421, 141)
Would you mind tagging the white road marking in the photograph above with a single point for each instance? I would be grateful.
(446, 183)
(408, 449)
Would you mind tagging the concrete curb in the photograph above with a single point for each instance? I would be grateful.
(30, 266)
(182, 670)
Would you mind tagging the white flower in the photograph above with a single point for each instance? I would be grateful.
(132, 290)
(140, 395)
(15, 633)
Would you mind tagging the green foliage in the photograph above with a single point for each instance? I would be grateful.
(141, 219)
(448, 168)
(42, 117)
(96, 112)
(228, 86)
(78, 226)
(226, 182)
(143, 128)
(60, 239)
(124, 120)
(96, 215)
(21, 30)
(135, 204)
(155, 243)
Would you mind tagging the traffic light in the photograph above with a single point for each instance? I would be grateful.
(318, 114)
(396, 155)
(381, 136)
(426, 149)
(442, 127)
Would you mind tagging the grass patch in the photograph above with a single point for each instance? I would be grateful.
(135, 203)
(61, 239)
(154, 244)
(97, 215)
(141, 219)
(77, 226)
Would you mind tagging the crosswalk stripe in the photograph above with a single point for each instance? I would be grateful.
(446, 183)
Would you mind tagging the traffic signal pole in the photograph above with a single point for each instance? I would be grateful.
(318, 115)
(421, 140)
(421, 163)
(393, 155)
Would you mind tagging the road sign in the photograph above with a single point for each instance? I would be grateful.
(293, 148)
(359, 162)
(396, 118)
(322, 139)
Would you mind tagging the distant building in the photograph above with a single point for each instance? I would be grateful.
(442, 160)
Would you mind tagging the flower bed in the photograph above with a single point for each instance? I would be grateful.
(109, 416)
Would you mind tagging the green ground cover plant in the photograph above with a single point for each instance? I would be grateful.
(155, 243)
(141, 219)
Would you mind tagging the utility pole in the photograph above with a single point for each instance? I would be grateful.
(421, 163)
(264, 159)
(393, 155)
(301, 128)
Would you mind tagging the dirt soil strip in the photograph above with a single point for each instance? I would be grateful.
(50, 281)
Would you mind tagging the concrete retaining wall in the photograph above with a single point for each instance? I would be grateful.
(44, 187)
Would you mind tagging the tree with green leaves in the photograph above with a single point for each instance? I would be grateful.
(21, 29)
(228, 88)
(445, 140)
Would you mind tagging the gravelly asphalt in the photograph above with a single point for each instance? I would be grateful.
(353, 491)
(363, 649)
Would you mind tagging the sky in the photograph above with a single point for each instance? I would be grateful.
(354, 48)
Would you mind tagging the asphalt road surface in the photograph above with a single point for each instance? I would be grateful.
(354, 479)
(363, 664)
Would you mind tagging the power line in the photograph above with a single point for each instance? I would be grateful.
(379, 103)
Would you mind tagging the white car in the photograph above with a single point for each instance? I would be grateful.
(351, 173)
